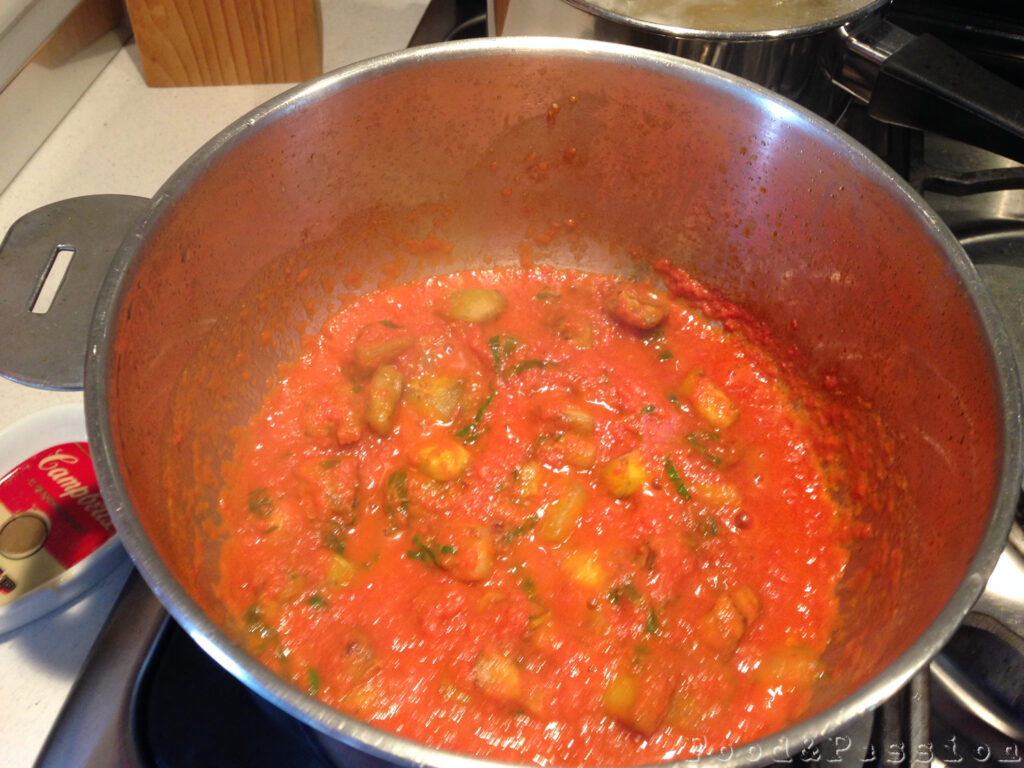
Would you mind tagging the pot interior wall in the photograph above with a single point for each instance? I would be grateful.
(344, 185)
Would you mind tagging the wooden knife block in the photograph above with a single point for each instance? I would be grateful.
(227, 42)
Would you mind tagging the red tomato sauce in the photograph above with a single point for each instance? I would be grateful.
(537, 515)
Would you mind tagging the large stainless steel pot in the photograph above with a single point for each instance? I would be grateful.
(820, 53)
(255, 236)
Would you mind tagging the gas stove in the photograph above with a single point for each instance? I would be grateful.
(150, 696)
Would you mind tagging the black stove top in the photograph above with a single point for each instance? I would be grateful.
(190, 712)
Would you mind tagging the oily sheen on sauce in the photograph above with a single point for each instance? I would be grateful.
(539, 515)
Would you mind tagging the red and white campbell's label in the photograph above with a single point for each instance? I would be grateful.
(51, 517)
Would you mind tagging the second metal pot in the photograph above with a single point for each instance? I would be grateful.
(822, 56)
(785, 59)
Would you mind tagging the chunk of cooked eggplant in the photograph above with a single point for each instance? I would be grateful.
(474, 305)
(624, 475)
(637, 308)
(383, 394)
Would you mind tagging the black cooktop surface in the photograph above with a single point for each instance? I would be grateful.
(190, 713)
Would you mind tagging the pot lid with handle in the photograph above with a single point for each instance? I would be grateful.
(732, 19)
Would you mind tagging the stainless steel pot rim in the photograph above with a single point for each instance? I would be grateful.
(770, 30)
(395, 748)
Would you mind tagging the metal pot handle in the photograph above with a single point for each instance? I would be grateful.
(920, 82)
(46, 348)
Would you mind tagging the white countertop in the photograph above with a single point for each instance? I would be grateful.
(123, 137)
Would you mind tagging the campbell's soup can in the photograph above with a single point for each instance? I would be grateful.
(56, 536)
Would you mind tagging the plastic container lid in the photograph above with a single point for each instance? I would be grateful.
(56, 536)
